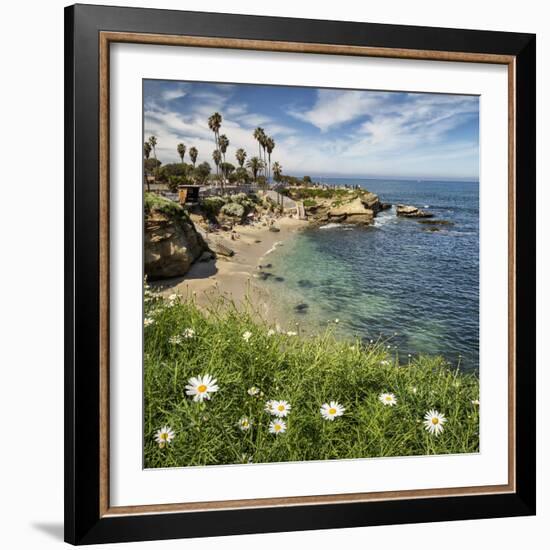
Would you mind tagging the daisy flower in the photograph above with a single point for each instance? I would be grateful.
(201, 387)
(291, 333)
(188, 333)
(244, 424)
(148, 321)
(173, 297)
(433, 421)
(175, 340)
(475, 402)
(388, 399)
(384, 362)
(164, 436)
(277, 427)
(329, 411)
(247, 335)
(252, 391)
(280, 408)
(269, 406)
(270, 332)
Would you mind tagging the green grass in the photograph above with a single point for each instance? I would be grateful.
(299, 193)
(307, 372)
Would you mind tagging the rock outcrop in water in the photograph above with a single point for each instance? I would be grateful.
(407, 211)
(361, 208)
(352, 212)
(171, 242)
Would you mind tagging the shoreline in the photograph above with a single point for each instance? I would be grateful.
(233, 277)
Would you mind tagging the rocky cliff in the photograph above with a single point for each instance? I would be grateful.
(171, 242)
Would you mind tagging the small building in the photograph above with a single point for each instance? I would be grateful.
(188, 193)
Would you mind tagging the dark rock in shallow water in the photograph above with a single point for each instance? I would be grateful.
(274, 229)
(264, 275)
(279, 279)
(265, 266)
(301, 308)
(407, 211)
(304, 283)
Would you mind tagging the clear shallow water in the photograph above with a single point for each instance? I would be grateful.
(395, 277)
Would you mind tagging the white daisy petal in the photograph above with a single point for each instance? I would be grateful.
(434, 421)
(201, 387)
(387, 399)
(277, 427)
(330, 411)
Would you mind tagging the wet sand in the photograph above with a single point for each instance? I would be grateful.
(235, 278)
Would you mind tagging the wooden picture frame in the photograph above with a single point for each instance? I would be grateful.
(89, 32)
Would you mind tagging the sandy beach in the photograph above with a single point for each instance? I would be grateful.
(235, 277)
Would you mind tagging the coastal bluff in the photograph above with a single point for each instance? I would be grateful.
(171, 241)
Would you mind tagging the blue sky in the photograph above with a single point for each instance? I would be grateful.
(319, 131)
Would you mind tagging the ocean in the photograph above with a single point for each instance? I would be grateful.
(396, 281)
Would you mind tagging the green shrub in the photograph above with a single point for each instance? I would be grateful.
(233, 209)
(211, 206)
(153, 202)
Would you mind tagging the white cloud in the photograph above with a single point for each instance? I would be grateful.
(174, 93)
(391, 138)
(335, 107)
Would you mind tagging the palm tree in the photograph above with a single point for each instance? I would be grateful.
(223, 142)
(214, 123)
(217, 156)
(146, 154)
(277, 171)
(193, 153)
(255, 165)
(153, 144)
(263, 143)
(259, 135)
(146, 150)
(269, 145)
(181, 151)
(240, 155)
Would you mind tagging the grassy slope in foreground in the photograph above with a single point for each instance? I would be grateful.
(306, 372)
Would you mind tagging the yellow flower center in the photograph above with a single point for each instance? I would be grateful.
(245, 423)
(435, 420)
(332, 411)
(281, 408)
(164, 437)
(277, 427)
(202, 388)
(388, 398)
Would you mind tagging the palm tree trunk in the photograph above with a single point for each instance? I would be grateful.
(146, 181)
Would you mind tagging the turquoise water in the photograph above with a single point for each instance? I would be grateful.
(396, 280)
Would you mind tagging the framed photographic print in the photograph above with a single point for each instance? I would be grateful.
(299, 274)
